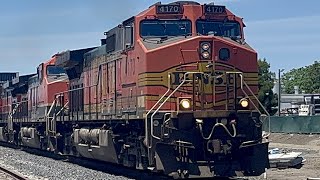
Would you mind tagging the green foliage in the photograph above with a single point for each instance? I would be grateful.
(266, 83)
(306, 78)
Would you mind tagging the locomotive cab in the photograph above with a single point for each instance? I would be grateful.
(49, 81)
(42, 94)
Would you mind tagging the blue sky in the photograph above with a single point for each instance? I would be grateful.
(285, 32)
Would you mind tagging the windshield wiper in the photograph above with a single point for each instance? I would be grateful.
(153, 37)
(237, 39)
(161, 39)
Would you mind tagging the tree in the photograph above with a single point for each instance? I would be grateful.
(306, 78)
(266, 83)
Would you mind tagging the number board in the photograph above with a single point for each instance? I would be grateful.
(212, 9)
(169, 9)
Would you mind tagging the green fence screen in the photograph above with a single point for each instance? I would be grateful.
(293, 124)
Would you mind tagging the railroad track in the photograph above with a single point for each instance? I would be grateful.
(8, 174)
(104, 167)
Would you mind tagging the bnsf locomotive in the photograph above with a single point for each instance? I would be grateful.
(172, 89)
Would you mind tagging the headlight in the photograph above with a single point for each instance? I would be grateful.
(205, 46)
(185, 103)
(244, 102)
(205, 55)
(205, 50)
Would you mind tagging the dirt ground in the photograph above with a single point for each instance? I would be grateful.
(309, 145)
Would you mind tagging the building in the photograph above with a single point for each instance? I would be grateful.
(290, 103)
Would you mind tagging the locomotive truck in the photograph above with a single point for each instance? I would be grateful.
(171, 89)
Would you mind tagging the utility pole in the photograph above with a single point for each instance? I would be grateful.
(279, 93)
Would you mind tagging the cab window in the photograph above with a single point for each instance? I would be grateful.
(165, 28)
(54, 70)
(218, 28)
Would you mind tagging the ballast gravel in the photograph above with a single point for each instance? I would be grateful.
(42, 168)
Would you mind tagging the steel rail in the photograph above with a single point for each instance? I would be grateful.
(13, 174)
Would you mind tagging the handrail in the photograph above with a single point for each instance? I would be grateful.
(10, 119)
(13, 111)
(174, 91)
(166, 120)
(147, 139)
(148, 144)
(65, 105)
(244, 84)
(10, 115)
(261, 105)
(51, 107)
(47, 116)
(160, 105)
(146, 119)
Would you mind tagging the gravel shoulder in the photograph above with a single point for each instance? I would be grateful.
(309, 145)
(42, 168)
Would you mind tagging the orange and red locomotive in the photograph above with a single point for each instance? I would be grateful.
(172, 89)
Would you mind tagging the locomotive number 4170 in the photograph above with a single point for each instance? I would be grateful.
(168, 9)
(212, 9)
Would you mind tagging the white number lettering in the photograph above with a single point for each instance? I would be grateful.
(220, 10)
(166, 8)
(161, 9)
(215, 9)
(209, 9)
(170, 8)
(176, 9)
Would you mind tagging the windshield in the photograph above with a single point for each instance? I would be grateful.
(54, 70)
(165, 28)
(218, 28)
